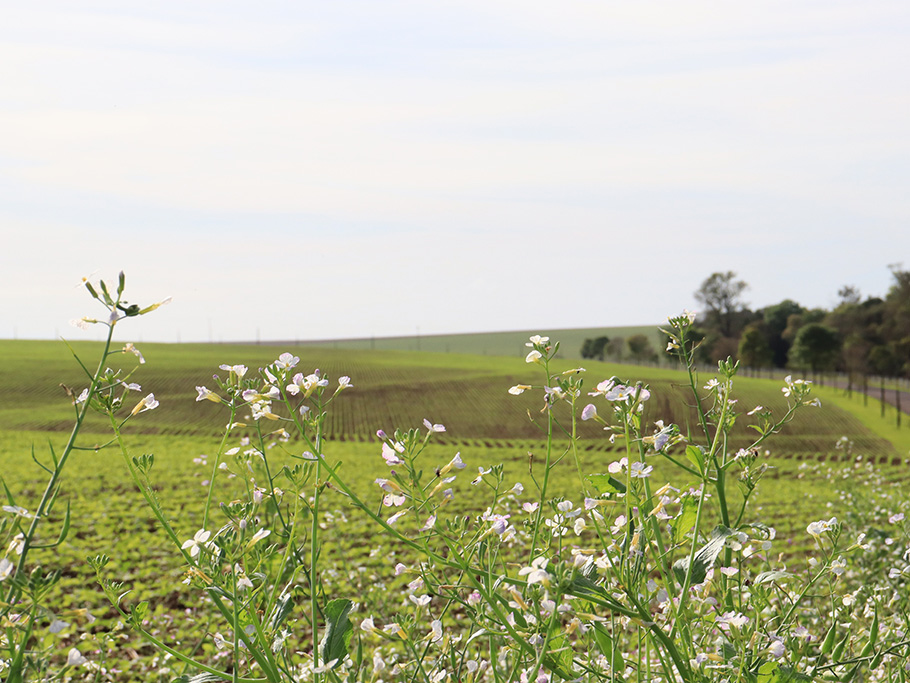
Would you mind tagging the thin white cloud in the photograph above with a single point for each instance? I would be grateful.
(457, 152)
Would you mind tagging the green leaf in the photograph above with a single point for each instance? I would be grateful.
(604, 483)
(608, 649)
(686, 520)
(769, 672)
(696, 456)
(704, 558)
(280, 612)
(200, 678)
(140, 612)
(338, 631)
(778, 576)
(559, 658)
(585, 588)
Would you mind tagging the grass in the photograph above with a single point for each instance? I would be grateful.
(392, 388)
(467, 393)
(485, 343)
(869, 413)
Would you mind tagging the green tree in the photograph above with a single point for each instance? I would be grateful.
(775, 319)
(594, 348)
(721, 295)
(815, 346)
(640, 348)
(754, 350)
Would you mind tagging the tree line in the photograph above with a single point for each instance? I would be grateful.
(860, 337)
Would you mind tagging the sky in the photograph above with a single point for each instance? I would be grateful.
(318, 170)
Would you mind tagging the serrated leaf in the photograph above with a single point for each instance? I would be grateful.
(704, 558)
(140, 612)
(686, 519)
(558, 659)
(608, 649)
(604, 483)
(769, 672)
(338, 631)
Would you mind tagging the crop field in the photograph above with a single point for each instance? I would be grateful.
(486, 343)
(466, 392)
(808, 479)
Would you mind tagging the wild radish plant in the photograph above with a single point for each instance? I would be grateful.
(25, 615)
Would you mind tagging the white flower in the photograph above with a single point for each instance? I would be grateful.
(533, 357)
(536, 573)
(455, 463)
(6, 569)
(17, 545)
(148, 403)
(420, 601)
(731, 619)
(57, 625)
(286, 360)
(640, 470)
(589, 412)
(394, 518)
(204, 394)
(259, 535)
(82, 397)
(777, 649)
(433, 427)
(519, 389)
(18, 510)
(536, 340)
(75, 658)
(368, 625)
(818, 528)
(129, 348)
(617, 467)
(390, 455)
(838, 566)
(199, 538)
(243, 581)
(239, 370)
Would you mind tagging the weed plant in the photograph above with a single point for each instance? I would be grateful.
(625, 580)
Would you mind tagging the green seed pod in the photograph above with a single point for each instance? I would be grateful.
(873, 629)
(876, 660)
(839, 648)
(828, 642)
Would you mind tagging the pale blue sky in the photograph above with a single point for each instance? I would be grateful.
(315, 170)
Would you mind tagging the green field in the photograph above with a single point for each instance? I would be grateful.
(468, 393)
(485, 343)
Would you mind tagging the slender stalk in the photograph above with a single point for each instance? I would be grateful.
(51, 488)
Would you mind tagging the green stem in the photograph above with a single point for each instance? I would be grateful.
(51, 488)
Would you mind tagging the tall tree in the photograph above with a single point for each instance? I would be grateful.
(775, 318)
(815, 346)
(721, 295)
(640, 348)
(754, 351)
